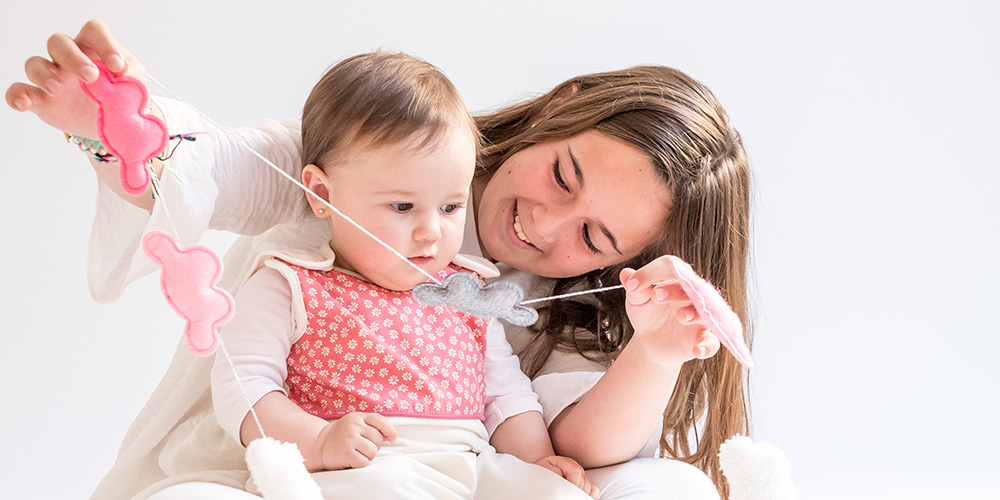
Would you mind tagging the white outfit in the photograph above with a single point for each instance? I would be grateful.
(229, 188)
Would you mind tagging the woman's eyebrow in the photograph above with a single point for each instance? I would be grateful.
(579, 179)
(576, 165)
(611, 238)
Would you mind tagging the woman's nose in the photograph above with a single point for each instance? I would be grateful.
(551, 221)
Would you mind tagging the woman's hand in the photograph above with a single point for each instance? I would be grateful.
(666, 324)
(571, 471)
(352, 441)
(54, 93)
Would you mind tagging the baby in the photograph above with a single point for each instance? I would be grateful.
(386, 397)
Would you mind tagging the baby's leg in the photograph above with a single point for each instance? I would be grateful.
(653, 478)
(201, 491)
(427, 476)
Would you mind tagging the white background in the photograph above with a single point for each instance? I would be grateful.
(872, 127)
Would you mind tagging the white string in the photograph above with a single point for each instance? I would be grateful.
(243, 389)
(159, 192)
(586, 292)
(294, 180)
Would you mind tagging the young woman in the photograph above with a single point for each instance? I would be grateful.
(605, 174)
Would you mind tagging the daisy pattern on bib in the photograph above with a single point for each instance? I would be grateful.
(369, 349)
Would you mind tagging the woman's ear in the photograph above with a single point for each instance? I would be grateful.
(315, 178)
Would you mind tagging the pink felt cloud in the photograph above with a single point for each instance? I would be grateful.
(713, 309)
(188, 281)
(128, 133)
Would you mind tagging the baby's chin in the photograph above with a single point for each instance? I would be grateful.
(399, 283)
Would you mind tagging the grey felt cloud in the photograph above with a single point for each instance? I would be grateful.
(466, 293)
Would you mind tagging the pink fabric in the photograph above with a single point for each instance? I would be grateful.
(130, 134)
(188, 281)
(712, 308)
(369, 349)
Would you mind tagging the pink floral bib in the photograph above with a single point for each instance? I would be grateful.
(369, 349)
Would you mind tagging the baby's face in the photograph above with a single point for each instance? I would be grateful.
(413, 199)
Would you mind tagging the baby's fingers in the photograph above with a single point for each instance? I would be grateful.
(382, 425)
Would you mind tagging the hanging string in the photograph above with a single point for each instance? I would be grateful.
(587, 292)
(293, 180)
(351, 221)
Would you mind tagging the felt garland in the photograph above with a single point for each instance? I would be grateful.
(190, 274)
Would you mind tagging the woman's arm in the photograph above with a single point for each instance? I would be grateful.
(614, 420)
(233, 189)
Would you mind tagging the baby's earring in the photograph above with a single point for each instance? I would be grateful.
(321, 211)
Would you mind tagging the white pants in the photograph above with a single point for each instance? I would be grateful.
(639, 479)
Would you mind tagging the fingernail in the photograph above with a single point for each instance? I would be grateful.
(53, 85)
(115, 62)
(631, 284)
(89, 73)
(688, 315)
(661, 294)
(21, 103)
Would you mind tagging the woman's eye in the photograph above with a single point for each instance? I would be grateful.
(559, 177)
(588, 241)
(401, 207)
(451, 208)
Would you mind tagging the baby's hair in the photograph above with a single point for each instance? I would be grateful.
(378, 99)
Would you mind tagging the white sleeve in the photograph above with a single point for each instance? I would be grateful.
(508, 390)
(258, 340)
(219, 184)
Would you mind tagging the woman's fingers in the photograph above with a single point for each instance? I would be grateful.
(23, 97)
(69, 57)
(707, 345)
(96, 36)
(43, 74)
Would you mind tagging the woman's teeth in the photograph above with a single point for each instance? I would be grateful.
(517, 229)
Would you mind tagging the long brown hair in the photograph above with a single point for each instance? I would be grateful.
(679, 123)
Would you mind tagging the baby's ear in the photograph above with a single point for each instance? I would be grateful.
(315, 178)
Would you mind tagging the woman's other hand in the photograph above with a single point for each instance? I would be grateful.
(666, 324)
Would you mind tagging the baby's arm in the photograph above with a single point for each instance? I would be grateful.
(258, 340)
(513, 415)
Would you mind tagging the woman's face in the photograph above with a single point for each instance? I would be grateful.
(570, 206)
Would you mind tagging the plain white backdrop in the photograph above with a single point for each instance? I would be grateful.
(872, 127)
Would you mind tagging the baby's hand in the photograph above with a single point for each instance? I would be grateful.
(352, 441)
(570, 471)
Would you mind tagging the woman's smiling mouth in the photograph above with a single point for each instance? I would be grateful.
(517, 228)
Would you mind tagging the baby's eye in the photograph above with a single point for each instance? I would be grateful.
(451, 208)
(401, 207)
